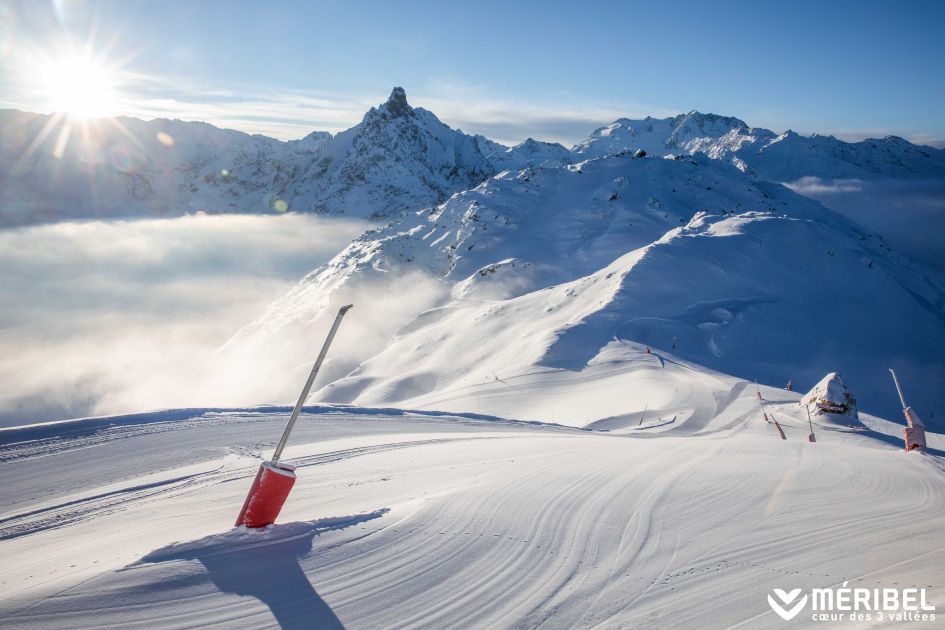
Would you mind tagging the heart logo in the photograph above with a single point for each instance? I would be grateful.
(786, 598)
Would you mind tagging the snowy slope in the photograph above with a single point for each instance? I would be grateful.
(539, 270)
(410, 520)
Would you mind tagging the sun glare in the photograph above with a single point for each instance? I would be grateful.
(78, 86)
(82, 90)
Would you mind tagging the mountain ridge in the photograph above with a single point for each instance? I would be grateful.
(398, 158)
(544, 268)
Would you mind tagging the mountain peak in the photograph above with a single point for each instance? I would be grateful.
(699, 118)
(397, 103)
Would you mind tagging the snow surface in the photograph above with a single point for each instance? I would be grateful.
(406, 519)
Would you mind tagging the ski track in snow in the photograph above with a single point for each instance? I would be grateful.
(691, 525)
(17, 443)
(102, 504)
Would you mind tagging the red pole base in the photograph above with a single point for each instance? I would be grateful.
(915, 437)
(267, 495)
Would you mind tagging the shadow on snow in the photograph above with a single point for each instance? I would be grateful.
(265, 564)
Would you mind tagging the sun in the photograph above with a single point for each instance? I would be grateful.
(79, 86)
(82, 90)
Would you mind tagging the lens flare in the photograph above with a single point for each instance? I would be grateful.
(78, 85)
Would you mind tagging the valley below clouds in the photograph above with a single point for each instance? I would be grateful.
(111, 317)
(909, 214)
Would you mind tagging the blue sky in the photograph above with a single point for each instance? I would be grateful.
(553, 70)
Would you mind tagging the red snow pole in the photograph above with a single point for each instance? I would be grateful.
(810, 438)
(914, 433)
(273, 480)
(267, 495)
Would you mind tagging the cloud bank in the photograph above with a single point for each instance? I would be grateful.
(112, 317)
(909, 214)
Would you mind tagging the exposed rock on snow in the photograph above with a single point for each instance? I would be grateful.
(830, 397)
(397, 103)
(398, 158)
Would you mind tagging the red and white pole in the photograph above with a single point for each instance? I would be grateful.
(914, 432)
(810, 437)
(273, 480)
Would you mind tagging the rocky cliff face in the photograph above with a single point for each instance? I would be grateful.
(398, 158)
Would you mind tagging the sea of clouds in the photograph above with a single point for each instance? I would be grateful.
(909, 214)
(120, 316)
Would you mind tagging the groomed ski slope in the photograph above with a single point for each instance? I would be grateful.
(418, 519)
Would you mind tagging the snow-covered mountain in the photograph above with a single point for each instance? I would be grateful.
(543, 270)
(53, 169)
(775, 157)
(398, 158)
(716, 136)
(791, 156)
(556, 253)
(530, 152)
